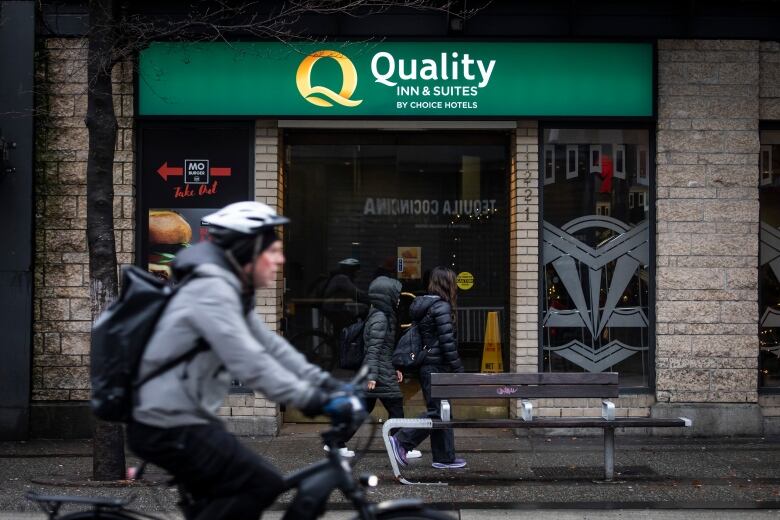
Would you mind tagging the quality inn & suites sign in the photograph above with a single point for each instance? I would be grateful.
(397, 79)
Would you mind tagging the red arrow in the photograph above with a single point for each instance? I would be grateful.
(220, 172)
(166, 171)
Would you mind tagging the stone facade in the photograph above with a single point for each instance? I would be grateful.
(707, 222)
(711, 95)
(62, 319)
(769, 81)
(707, 228)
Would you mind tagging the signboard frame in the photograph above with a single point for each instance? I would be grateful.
(596, 87)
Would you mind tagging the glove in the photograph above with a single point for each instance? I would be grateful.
(316, 402)
(345, 409)
(339, 405)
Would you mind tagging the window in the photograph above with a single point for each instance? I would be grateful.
(549, 164)
(769, 260)
(596, 261)
(399, 204)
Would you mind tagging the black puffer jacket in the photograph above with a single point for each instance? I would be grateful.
(434, 318)
(379, 336)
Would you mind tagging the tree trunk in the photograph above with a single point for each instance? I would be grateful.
(108, 455)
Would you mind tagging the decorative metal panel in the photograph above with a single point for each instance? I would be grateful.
(595, 283)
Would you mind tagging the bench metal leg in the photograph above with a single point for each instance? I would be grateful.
(609, 453)
(394, 424)
(446, 410)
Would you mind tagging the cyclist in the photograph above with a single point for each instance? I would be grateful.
(175, 424)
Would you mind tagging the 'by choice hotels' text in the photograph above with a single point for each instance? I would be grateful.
(454, 77)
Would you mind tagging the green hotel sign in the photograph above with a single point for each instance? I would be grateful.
(396, 79)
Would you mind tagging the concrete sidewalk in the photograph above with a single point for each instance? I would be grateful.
(507, 477)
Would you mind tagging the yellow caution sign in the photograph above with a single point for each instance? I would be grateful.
(465, 280)
(491, 350)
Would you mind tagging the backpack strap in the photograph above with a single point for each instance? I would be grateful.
(200, 346)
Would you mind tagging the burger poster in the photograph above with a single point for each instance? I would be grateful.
(187, 170)
(170, 231)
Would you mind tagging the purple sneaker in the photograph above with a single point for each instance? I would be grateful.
(398, 451)
(455, 464)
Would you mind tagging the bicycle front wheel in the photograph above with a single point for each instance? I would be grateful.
(319, 348)
(414, 514)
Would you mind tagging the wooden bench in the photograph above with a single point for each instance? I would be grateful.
(524, 387)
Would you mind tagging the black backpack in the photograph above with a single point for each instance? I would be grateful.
(119, 338)
(410, 351)
(352, 347)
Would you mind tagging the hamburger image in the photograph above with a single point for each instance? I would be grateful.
(168, 233)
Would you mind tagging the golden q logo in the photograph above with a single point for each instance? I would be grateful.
(348, 82)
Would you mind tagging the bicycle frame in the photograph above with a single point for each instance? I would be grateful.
(316, 483)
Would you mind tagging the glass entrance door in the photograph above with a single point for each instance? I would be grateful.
(393, 204)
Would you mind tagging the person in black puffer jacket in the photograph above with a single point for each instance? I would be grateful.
(434, 314)
(379, 340)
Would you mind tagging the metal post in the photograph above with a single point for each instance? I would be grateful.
(609, 453)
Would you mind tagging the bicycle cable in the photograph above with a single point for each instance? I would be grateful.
(361, 453)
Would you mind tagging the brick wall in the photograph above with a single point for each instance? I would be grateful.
(524, 252)
(62, 319)
(707, 221)
(252, 413)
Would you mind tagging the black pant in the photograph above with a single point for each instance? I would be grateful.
(393, 405)
(442, 441)
(225, 478)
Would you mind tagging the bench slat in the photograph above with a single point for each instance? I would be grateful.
(566, 422)
(557, 378)
(516, 392)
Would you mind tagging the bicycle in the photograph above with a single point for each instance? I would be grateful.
(314, 483)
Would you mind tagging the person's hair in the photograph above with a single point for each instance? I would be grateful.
(247, 248)
(442, 284)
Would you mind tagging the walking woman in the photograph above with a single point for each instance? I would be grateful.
(379, 339)
(434, 314)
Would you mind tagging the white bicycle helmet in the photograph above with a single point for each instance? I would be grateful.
(247, 218)
(244, 229)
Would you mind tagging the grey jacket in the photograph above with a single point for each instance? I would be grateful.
(379, 336)
(210, 307)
